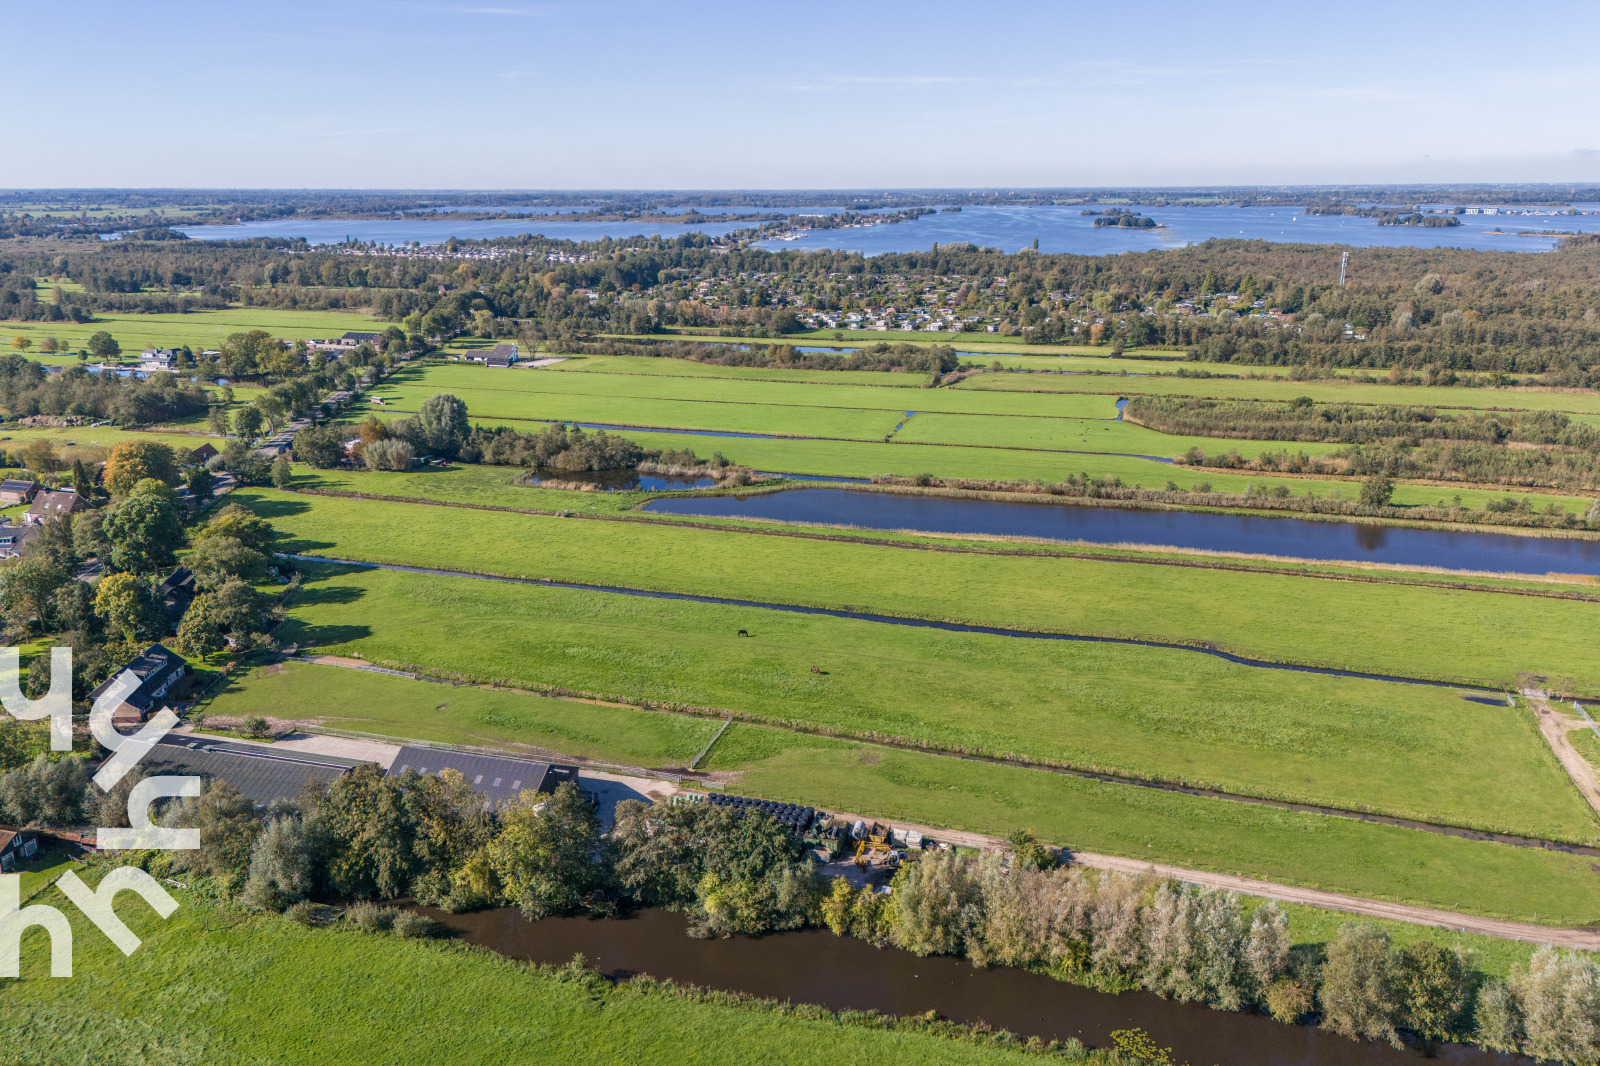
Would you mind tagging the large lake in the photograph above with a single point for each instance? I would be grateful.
(1068, 229)
(1058, 229)
(1247, 534)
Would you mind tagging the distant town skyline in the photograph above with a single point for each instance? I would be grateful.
(511, 95)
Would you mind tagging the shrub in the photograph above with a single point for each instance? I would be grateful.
(1359, 999)
(369, 917)
(388, 455)
(256, 727)
(1289, 1000)
(302, 913)
(411, 926)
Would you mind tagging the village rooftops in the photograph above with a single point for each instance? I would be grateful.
(13, 490)
(14, 538)
(52, 504)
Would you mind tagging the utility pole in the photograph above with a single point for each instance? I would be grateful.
(1344, 261)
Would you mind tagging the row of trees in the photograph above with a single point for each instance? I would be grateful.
(372, 836)
(1344, 423)
(27, 389)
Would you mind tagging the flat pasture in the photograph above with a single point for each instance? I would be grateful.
(418, 710)
(1384, 628)
(197, 329)
(266, 990)
(1335, 854)
(1578, 401)
(499, 391)
(1162, 714)
(1077, 434)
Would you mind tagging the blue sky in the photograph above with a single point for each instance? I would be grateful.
(512, 94)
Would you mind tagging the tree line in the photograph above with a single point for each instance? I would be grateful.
(375, 837)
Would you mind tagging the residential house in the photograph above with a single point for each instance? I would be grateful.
(157, 671)
(152, 359)
(54, 504)
(16, 846)
(201, 455)
(177, 592)
(503, 355)
(351, 340)
(13, 491)
(14, 538)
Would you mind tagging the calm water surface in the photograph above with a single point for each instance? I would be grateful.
(1058, 229)
(1068, 229)
(814, 966)
(1296, 538)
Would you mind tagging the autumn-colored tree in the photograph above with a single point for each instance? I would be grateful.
(131, 461)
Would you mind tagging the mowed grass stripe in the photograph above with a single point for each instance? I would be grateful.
(394, 706)
(1153, 713)
(1375, 628)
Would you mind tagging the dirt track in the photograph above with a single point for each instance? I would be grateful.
(1555, 725)
(1584, 939)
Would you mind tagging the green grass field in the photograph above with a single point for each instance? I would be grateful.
(222, 987)
(1378, 628)
(1078, 435)
(198, 329)
(73, 439)
(1148, 712)
(393, 706)
(1335, 854)
(495, 487)
(1581, 401)
(1050, 438)
(508, 386)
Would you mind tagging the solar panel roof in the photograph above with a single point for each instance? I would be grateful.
(498, 779)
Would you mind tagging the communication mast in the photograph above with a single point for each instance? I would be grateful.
(1344, 261)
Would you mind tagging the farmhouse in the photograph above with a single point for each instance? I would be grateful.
(16, 846)
(177, 593)
(498, 780)
(158, 670)
(351, 340)
(13, 491)
(203, 454)
(53, 505)
(158, 359)
(503, 355)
